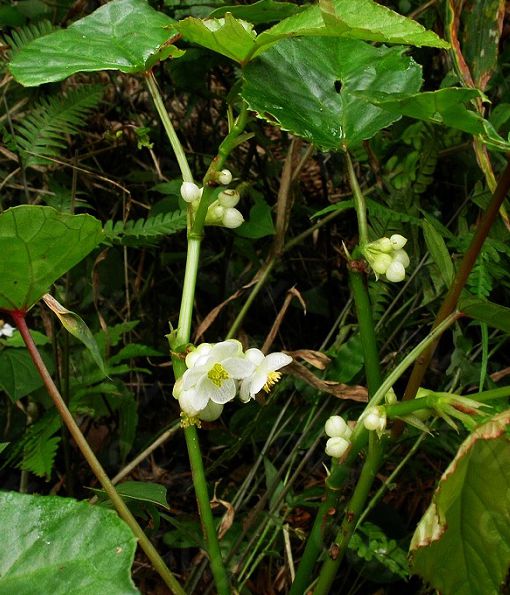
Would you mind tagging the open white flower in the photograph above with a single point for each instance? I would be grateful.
(213, 375)
(6, 330)
(265, 373)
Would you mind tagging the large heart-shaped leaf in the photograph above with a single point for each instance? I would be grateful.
(60, 546)
(123, 35)
(38, 245)
(462, 544)
(308, 86)
(363, 19)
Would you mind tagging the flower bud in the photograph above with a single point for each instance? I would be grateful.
(402, 257)
(381, 263)
(398, 241)
(177, 389)
(224, 177)
(211, 412)
(232, 218)
(396, 272)
(336, 427)
(337, 447)
(374, 419)
(190, 192)
(217, 212)
(229, 198)
(382, 245)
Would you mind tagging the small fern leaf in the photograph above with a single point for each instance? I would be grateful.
(390, 215)
(145, 231)
(40, 445)
(41, 135)
(426, 166)
(21, 37)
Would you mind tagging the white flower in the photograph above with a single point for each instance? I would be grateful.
(232, 218)
(398, 241)
(213, 376)
(396, 272)
(336, 427)
(264, 375)
(374, 419)
(337, 447)
(6, 329)
(229, 198)
(190, 192)
(225, 177)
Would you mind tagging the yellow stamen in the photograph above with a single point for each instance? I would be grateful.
(187, 421)
(272, 379)
(217, 374)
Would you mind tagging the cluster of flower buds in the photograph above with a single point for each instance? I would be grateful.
(339, 436)
(222, 211)
(218, 372)
(374, 419)
(387, 257)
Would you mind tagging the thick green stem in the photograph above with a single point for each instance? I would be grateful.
(359, 203)
(95, 465)
(366, 331)
(352, 514)
(152, 85)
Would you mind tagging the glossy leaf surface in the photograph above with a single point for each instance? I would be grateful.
(462, 544)
(58, 545)
(123, 35)
(309, 86)
(38, 245)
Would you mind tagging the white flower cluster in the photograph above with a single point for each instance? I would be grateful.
(387, 257)
(222, 211)
(218, 372)
(339, 436)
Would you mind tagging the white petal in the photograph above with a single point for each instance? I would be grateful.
(193, 356)
(225, 349)
(255, 355)
(244, 391)
(220, 394)
(211, 412)
(257, 382)
(275, 361)
(191, 402)
(191, 377)
(238, 367)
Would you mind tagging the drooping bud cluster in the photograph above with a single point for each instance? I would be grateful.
(222, 211)
(339, 436)
(387, 257)
(218, 372)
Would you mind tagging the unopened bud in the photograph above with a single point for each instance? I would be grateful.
(382, 245)
(381, 263)
(374, 419)
(402, 257)
(232, 218)
(224, 177)
(396, 272)
(336, 427)
(398, 241)
(229, 198)
(211, 412)
(190, 192)
(337, 447)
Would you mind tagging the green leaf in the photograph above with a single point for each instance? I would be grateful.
(439, 252)
(363, 19)
(18, 375)
(40, 445)
(143, 491)
(260, 222)
(445, 106)
(309, 86)
(76, 326)
(38, 245)
(228, 36)
(462, 544)
(263, 11)
(494, 315)
(123, 35)
(137, 231)
(58, 546)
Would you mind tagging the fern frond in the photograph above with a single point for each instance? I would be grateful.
(426, 166)
(40, 445)
(390, 215)
(21, 37)
(42, 133)
(148, 230)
